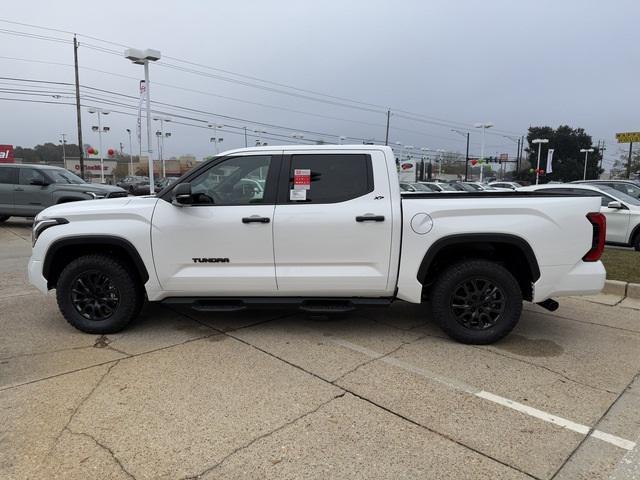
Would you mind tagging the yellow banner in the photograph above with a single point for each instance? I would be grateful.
(628, 137)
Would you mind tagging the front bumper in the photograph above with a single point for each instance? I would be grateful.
(35, 275)
(584, 278)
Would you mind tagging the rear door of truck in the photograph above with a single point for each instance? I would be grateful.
(333, 224)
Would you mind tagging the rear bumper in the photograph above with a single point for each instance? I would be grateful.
(35, 275)
(585, 278)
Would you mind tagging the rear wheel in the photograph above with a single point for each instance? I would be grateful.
(476, 301)
(99, 294)
(636, 242)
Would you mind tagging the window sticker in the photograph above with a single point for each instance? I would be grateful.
(302, 179)
(298, 195)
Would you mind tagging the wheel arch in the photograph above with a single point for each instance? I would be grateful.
(513, 252)
(64, 250)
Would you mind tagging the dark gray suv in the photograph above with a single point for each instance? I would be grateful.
(25, 190)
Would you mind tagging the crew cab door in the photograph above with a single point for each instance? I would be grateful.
(333, 225)
(32, 193)
(222, 244)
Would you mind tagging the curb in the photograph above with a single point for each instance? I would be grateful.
(622, 289)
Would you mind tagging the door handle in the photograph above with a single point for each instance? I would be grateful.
(370, 218)
(256, 219)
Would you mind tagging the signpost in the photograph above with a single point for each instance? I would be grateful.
(628, 137)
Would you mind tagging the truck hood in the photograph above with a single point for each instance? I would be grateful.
(108, 208)
(89, 187)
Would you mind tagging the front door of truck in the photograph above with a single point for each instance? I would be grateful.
(222, 244)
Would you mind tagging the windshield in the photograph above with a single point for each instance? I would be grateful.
(421, 188)
(474, 186)
(620, 195)
(64, 176)
(447, 187)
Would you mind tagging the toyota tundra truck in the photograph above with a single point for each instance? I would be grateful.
(322, 229)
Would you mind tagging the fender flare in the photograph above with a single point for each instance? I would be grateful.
(465, 238)
(83, 240)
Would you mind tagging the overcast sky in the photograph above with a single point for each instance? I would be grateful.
(514, 63)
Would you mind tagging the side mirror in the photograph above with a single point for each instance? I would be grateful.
(616, 205)
(182, 194)
(38, 181)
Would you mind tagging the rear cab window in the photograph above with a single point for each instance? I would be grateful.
(328, 178)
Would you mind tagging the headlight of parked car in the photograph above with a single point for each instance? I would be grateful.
(95, 195)
(41, 224)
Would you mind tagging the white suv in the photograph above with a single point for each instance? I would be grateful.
(622, 210)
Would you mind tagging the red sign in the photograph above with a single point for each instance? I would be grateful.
(474, 161)
(301, 179)
(6, 154)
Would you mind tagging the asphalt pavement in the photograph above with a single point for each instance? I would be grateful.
(380, 393)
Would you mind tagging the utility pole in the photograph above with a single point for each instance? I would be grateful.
(466, 162)
(78, 113)
(629, 161)
(386, 137)
(518, 157)
(245, 137)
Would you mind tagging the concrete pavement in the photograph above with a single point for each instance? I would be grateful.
(381, 393)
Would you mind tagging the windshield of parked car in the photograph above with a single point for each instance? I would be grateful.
(64, 176)
(420, 187)
(447, 187)
(620, 195)
(474, 186)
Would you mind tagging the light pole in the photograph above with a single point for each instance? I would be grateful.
(484, 127)
(466, 162)
(297, 136)
(161, 145)
(424, 153)
(539, 141)
(342, 139)
(440, 158)
(586, 152)
(143, 57)
(130, 153)
(63, 141)
(100, 112)
(215, 138)
(259, 133)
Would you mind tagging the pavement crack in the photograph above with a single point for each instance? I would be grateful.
(105, 448)
(551, 370)
(263, 436)
(32, 354)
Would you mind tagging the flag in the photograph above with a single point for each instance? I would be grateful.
(550, 161)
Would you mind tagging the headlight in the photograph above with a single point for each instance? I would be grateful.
(95, 195)
(40, 225)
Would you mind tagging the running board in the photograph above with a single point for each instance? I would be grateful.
(306, 304)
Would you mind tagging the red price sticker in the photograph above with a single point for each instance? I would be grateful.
(302, 179)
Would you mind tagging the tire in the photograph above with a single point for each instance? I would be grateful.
(467, 282)
(106, 279)
(4, 218)
(636, 242)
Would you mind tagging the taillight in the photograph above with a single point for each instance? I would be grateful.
(599, 223)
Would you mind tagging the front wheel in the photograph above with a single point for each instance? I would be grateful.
(98, 294)
(476, 301)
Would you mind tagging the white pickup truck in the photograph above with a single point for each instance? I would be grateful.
(323, 229)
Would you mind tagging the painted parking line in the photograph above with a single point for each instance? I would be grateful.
(492, 397)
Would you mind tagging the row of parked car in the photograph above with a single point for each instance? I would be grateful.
(620, 200)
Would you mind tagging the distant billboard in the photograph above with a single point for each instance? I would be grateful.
(6, 154)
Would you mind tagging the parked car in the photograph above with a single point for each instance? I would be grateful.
(505, 185)
(142, 188)
(482, 187)
(630, 187)
(26, 190)
(130, 182)
(416, 187)
(323, 242)
(621, 210)
(439, 186)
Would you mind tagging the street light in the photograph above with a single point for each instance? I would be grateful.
(484, 127)
(466, 162)
(539, 141)
(100, 112)
(342, 139)
(440, 158)
(63, 141)
(586, 152)
(161, 142)
(130, 153)
(215, 140)
(143, 57)
(424, 151)
(297, 136)
(259, 133)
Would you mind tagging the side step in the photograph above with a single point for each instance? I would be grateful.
(306, 304)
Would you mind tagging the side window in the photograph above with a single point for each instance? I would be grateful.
(329, 178)
(605, 199)
(8, 175)
(27, 175)
(235, 181)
